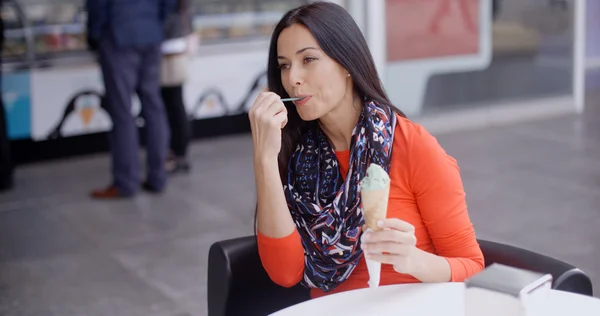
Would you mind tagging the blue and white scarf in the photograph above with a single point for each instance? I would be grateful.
(326, 209)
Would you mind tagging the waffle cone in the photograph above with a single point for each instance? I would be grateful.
(375, 203)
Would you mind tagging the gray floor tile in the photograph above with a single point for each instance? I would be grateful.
(238, 194)
(76, 285)
(177, 268)
(43, 188)
(37, 233)
(147, 218)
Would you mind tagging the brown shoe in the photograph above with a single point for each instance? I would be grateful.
(108, 193)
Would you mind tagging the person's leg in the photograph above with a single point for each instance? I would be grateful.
(120, 74)
(155, 118)
(180, 128)
(167, 93)
(6, 167)
(184, 127)
(178, 119)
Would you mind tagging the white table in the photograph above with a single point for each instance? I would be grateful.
(424, 299)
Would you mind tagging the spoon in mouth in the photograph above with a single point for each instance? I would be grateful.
(291, 99)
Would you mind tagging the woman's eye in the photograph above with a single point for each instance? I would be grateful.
(308, 59)
(283, 66)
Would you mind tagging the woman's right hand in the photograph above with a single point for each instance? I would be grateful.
(268, 116)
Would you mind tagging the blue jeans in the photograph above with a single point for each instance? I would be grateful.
(127, 71)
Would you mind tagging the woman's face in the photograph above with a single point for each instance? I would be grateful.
(306, 71)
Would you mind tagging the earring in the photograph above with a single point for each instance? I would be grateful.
(348, 75)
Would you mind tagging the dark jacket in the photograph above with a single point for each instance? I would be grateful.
(179, 22)
(130, 23)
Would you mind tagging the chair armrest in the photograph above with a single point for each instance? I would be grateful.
(238, 284)
(566, 277)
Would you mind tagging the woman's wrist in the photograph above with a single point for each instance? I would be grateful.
(430, 268)
(265, 162)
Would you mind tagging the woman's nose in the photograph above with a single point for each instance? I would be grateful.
(295, 78)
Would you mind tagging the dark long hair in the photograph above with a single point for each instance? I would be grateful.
(341, 39)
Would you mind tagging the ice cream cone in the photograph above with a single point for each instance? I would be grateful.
(375, 205)
(374, 269)
(375, 192)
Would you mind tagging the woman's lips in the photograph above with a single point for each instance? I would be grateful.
(302, 101)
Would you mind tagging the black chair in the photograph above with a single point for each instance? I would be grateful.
(238, 284)
(565, 276)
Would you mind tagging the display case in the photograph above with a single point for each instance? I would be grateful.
(52, 83)
(18, 41)
(57, 27)
(42, 32)
(39, 32)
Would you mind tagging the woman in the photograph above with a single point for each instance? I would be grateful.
(174, 73)
(310, 156)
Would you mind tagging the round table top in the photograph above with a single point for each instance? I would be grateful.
(446, 299)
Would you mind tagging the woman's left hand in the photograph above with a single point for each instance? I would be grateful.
(395, 245)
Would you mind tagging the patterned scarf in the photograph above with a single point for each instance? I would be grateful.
(326, 209)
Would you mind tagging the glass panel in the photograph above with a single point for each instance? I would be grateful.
(58, 26)
(238, 20)
(15, 43)
(532, 46)
(531, 57)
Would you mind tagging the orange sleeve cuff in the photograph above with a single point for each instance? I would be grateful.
(463, 268)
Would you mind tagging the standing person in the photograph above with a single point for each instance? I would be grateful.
(127, 35)
(174, 73)
(6, 167)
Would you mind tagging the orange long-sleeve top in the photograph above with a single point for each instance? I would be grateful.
(426, 190)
